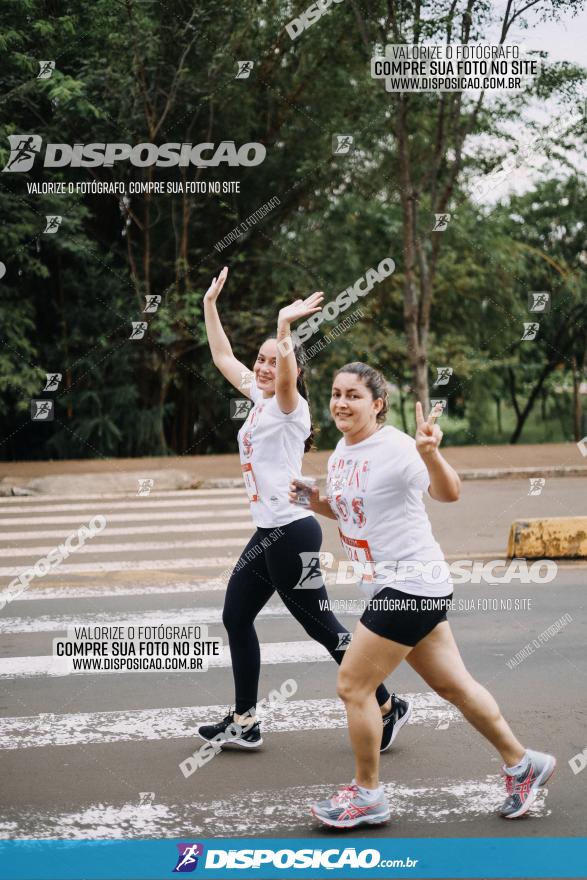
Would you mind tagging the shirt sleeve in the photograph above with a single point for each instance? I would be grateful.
(301, 413)
(254, 391)
(415, 472)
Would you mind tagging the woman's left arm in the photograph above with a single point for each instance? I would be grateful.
(286, 376)
(445, 484)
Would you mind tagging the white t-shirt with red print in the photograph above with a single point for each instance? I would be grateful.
(271, 447)
(375, 489)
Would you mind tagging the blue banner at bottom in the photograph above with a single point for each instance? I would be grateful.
(273, 858)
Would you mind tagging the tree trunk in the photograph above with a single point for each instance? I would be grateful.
(576, 401)
(523, 414)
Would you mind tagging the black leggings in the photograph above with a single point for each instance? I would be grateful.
(271, 562)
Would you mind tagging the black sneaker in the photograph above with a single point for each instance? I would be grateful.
(398, 715)
(229, 733)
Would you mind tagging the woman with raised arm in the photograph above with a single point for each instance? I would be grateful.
(376, 477)
(272, 442)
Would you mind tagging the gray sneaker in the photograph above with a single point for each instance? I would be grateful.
(348, 808)
(522, 789)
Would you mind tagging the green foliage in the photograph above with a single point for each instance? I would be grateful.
(149, 72)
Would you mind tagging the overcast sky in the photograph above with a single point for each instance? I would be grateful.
(565, 40)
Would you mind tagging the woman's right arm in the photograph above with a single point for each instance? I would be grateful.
(317, 504)
(230, 367)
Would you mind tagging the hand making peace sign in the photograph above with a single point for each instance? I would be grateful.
(428, 433)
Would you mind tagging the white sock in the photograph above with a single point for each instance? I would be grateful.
(370, 794)
(519, 767)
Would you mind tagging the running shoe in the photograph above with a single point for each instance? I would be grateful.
(230, 733)
(348, 808)
(394, 720)
(522, 788)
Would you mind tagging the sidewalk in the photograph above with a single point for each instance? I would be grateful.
(183, 472)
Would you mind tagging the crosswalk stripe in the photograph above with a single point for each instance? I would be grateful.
(128, 565)
(135, 504)
(84, 728)
(14, 501)
(264, 812)
(113, 531)
(271, 653)
(132, 547)
(169, 617)
(126, 517)
(74, 591)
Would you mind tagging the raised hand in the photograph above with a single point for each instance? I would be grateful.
(428, 433)
(301, 308)
(216, 286)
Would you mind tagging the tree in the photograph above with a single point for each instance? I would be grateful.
(432, 134)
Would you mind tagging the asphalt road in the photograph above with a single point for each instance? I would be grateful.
(97, 755)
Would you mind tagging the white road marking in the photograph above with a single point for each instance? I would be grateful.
(14, 501)
(269, 812)
(127, 565)
(271, 653)
(57, 535)
(127, 547)
(73, 591)
(135, 504)
(79, 518)
(84, 728)
(169, 617)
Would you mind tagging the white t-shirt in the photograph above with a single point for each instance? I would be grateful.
(375, 489)
(271, 446)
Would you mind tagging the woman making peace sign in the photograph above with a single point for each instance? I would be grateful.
(376, 477)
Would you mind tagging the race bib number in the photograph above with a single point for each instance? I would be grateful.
(250, 482)
(357, 550)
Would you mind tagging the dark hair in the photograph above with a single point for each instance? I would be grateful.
(302, 389)
(375, 382)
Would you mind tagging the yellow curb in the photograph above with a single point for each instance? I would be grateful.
(555, 537)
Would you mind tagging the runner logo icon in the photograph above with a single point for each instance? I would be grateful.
(188, 857)
(23, 149)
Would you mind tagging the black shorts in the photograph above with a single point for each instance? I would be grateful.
(404, 617)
